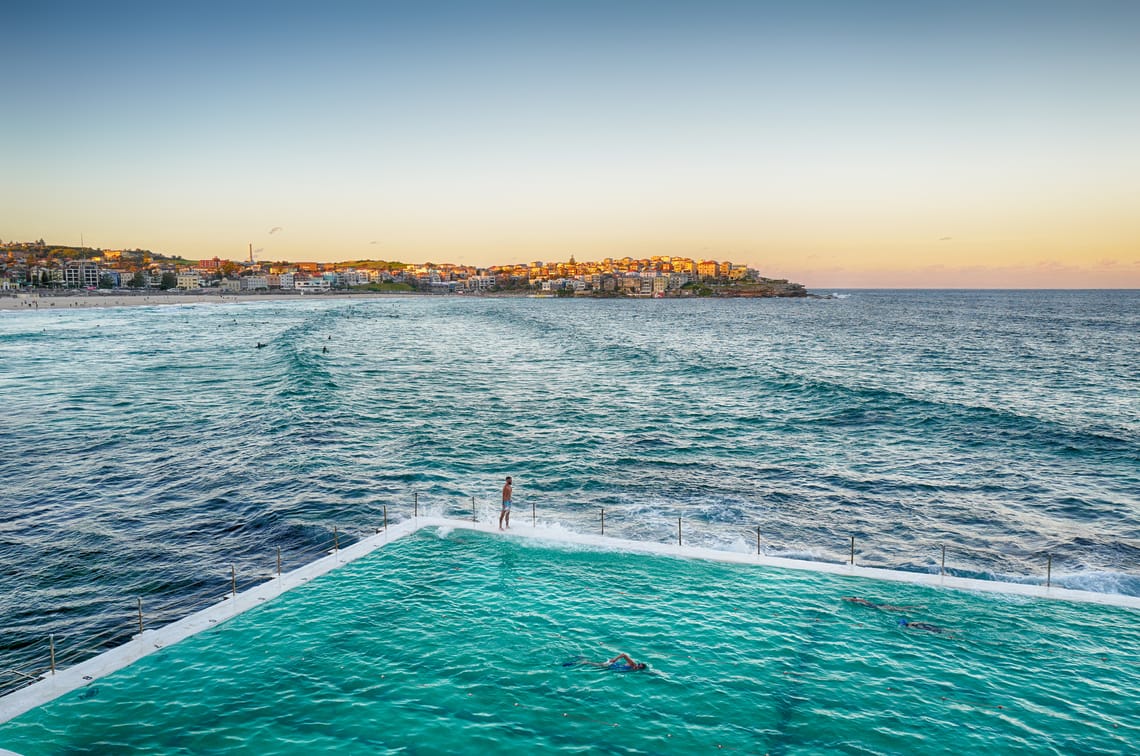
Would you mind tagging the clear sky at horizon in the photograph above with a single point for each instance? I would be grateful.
(839, 144)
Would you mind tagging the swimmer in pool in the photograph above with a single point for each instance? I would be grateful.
(880, 607)
(620, 663)
(907, 624)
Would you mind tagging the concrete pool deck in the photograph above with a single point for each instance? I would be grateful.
(52, 686)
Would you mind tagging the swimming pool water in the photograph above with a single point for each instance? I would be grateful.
(453, 641)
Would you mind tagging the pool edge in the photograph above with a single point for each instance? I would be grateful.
(52, 686)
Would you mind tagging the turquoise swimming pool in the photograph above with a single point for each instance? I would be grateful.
(454, 641)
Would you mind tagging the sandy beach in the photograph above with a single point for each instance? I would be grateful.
(73, 299)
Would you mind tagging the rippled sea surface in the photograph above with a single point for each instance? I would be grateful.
(155, 454)
(463, 642)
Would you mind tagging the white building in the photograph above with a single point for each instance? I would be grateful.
(355, 277)
(190, 280)
(81, 275)
(480, 283)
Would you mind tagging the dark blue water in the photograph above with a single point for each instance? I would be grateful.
(147, 451)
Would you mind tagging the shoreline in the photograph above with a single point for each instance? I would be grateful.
(73, 300)
(70, 299)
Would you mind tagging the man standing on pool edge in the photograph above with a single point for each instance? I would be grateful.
(505, 515)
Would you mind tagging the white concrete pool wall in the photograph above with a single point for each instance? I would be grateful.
(52, 686)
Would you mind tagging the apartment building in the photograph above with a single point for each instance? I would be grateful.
(707, 269)
(81, 274)
(189, 279)
(480, 283)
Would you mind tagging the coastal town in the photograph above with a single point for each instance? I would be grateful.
(40, 266)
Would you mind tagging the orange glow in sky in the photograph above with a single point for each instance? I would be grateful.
(836, 144)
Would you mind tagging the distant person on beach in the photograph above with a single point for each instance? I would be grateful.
(620, 663)
(505, 515)
(880, 607)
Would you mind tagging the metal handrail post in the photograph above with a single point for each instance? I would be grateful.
(51, 647)
(233, 580)
(852, 550)
(139, 600)
(603, 520)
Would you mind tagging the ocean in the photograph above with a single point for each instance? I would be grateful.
(156, 455)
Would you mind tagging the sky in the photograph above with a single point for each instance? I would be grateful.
(840, 143)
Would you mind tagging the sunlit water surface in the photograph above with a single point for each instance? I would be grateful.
(144, 451)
